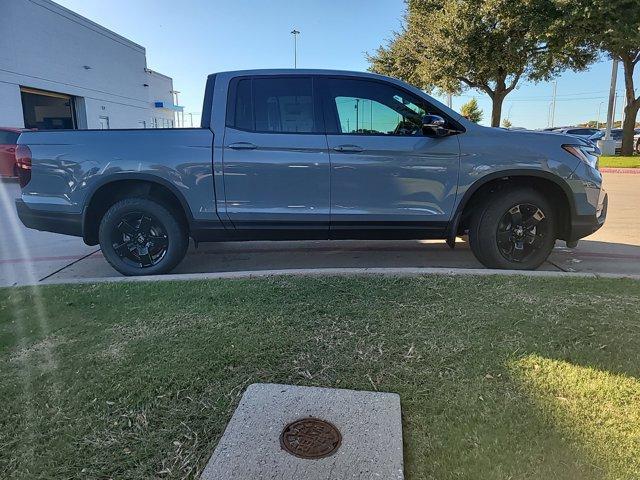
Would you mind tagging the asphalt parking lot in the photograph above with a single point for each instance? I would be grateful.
(28, 256)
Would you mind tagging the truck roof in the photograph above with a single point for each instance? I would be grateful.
(299, 71)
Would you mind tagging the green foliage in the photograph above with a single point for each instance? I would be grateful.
(488, 45)
(471, 111)
(603, 123)
(620, 162)
(613, 26)
(506, 123)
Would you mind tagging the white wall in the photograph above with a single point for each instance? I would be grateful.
(53, 56)
(10, 109)
(160, 88)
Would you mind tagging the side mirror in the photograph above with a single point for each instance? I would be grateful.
(433, 125)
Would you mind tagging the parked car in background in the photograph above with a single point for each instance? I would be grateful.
(616, 134)
(311, 154)
(580, 132)
(8, 140)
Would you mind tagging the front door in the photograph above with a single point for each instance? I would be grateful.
(275, 159)
(386, 175)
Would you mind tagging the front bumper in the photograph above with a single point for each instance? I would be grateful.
(584, 225)
(48, 221)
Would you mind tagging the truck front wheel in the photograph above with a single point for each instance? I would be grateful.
(139, 236)
(513, 229)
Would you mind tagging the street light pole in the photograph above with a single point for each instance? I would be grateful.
(607, 144)
(553, 103)
(612, 99)
(295, 34)
(598, 117)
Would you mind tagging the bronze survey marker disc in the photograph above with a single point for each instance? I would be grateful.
(310, 438)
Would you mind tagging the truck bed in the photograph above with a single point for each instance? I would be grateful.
(69, 165)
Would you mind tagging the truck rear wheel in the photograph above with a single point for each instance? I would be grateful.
(139, 236)
(513, 229)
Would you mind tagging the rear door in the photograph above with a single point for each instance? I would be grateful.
(275, 159)
(387, 177)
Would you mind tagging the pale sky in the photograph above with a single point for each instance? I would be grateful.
(187, 40)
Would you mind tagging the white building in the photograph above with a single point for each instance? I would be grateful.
(61, 70)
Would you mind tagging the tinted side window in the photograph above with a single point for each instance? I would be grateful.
(581, 131)
(283, 105)
(375, 108)
(244, 106)
(275, 105)
(8, 138)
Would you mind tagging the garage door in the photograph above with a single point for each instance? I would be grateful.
(47, 110)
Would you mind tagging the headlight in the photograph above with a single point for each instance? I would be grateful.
(587, 153)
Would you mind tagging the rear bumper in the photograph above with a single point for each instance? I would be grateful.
(48, 221)
(584, 225)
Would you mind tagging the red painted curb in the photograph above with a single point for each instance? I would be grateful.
(633, 171)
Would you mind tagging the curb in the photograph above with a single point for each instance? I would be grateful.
(631, 171)
(318, 272)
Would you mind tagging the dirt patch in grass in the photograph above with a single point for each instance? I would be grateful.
(37, 355)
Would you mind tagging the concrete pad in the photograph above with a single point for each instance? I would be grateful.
(26, 255)
(370, 424)
(621, 226)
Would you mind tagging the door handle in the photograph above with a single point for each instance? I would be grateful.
(348, 148)
(242, 146)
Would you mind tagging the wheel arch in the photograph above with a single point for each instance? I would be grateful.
(539, 179)
(110, 190)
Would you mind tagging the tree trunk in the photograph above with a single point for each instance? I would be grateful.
(631, 110)
(496, 109)
(628, 127)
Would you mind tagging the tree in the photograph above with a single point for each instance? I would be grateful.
(471, 111)
(613, 26)
(506, 123)
(487, 45)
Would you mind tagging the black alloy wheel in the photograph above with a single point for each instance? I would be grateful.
(521, 232)
(139, 239)
(142, 236)
(513, 228)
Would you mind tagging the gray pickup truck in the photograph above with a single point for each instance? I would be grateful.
(311, 154)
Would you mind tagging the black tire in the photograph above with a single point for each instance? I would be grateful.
(513, 229)
(638, 147)
(153, 245)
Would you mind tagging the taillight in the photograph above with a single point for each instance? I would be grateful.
(23, 162)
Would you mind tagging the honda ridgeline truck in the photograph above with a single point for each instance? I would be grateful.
(311, 154)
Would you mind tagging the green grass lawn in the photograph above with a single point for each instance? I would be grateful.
(620, 162)
(500, 377)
